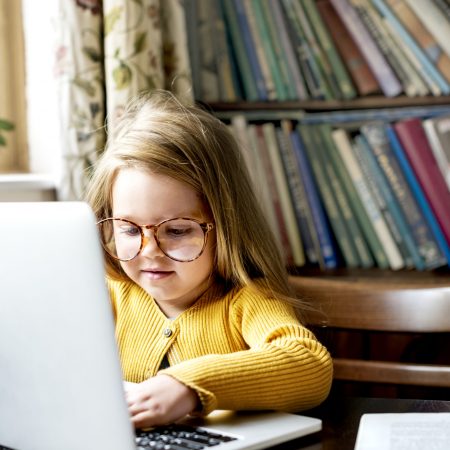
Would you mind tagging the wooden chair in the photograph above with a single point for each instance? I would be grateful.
(381, 305)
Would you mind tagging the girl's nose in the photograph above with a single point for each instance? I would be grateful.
(149, 245)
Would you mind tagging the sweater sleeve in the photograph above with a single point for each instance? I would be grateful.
(284, 367)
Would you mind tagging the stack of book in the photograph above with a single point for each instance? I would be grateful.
(354, 189)
(293, 50)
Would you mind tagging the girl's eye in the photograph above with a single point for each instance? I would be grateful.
(177, 231)
(130, 230)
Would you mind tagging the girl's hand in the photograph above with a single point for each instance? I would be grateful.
(159, 400)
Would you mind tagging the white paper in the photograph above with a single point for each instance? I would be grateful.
(404, 431)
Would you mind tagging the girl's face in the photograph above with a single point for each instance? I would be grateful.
(147, 198)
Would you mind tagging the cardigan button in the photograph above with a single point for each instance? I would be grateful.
(167, 332)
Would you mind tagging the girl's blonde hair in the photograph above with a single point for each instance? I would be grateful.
(160, 134)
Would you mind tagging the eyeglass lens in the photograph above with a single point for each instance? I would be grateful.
(179, 239)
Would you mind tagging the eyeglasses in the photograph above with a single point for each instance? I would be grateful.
(180, 239)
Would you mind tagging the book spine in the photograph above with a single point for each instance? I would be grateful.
(268, 49)
(284, 194)
(324, 233)
(243, 64)
(276, 201)
(294, 73)
(429, 253)
(310, 70)
(415, 144)
(427, 66)
(425, 241)
(338, 175)
(378, 64)
(250, 50)
(325, 185)
(434, 20)
(422, 36)
(299, 200)
(355, 63)
(339, 71)
(436, 129)
(387, 202)
(261, 55)
(228, 89)
(344, 146)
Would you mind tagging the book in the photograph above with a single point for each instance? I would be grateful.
(421, 35)
(385, 198)
(387, 157)
(242, 62)
(415, 144)
(426, 65)
(354, 60)
(384, 74)
(435, 22)
(340, 183)
(399, 56)
(284, 194)
(228, 85)
(250, 49)
(298, 194)
(261, 55)
(285, 50)
(434, 256)
(437, 130)
(209, 79)
(245, 135)
(337, 67)
(268, 48)
(314, 79)
(328, 252)
(325, 73)
(326, 182)
(263, 154)
(344, 147)
(191, 18)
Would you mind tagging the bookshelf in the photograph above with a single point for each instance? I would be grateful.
(301, 64)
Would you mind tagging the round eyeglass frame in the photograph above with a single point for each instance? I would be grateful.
(205, 226)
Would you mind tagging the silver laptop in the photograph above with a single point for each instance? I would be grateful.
(60, 377)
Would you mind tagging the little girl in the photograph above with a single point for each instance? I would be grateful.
(205, 318)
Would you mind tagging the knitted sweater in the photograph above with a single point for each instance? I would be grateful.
(238, 351)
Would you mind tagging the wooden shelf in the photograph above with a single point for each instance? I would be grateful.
(319, 105)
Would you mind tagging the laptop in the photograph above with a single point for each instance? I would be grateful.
(60, 377)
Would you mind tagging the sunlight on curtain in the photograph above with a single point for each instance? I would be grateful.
(109, 51)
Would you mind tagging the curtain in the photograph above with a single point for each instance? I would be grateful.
(107, 52)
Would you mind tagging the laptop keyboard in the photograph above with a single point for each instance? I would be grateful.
(179, 437)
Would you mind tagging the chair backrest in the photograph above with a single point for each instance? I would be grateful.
(380, 305)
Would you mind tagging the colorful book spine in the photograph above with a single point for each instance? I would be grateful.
(243, 63)
(427, 66)
(324, 233)
(354, 60)
(430, 251)
(387, 79)
(364, 201)
(279, 28)
(344, 83)
(423, 237)
(339, 179)
(326, 188)
(261, 55)
(310, 70)
(287, 208)
(416, 146)
(387, 203)
(299, 199)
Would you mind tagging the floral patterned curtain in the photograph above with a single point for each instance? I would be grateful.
(108, 51)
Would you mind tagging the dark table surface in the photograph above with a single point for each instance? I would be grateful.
(341, 416)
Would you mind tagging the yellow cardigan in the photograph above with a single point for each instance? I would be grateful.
(238, 351)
